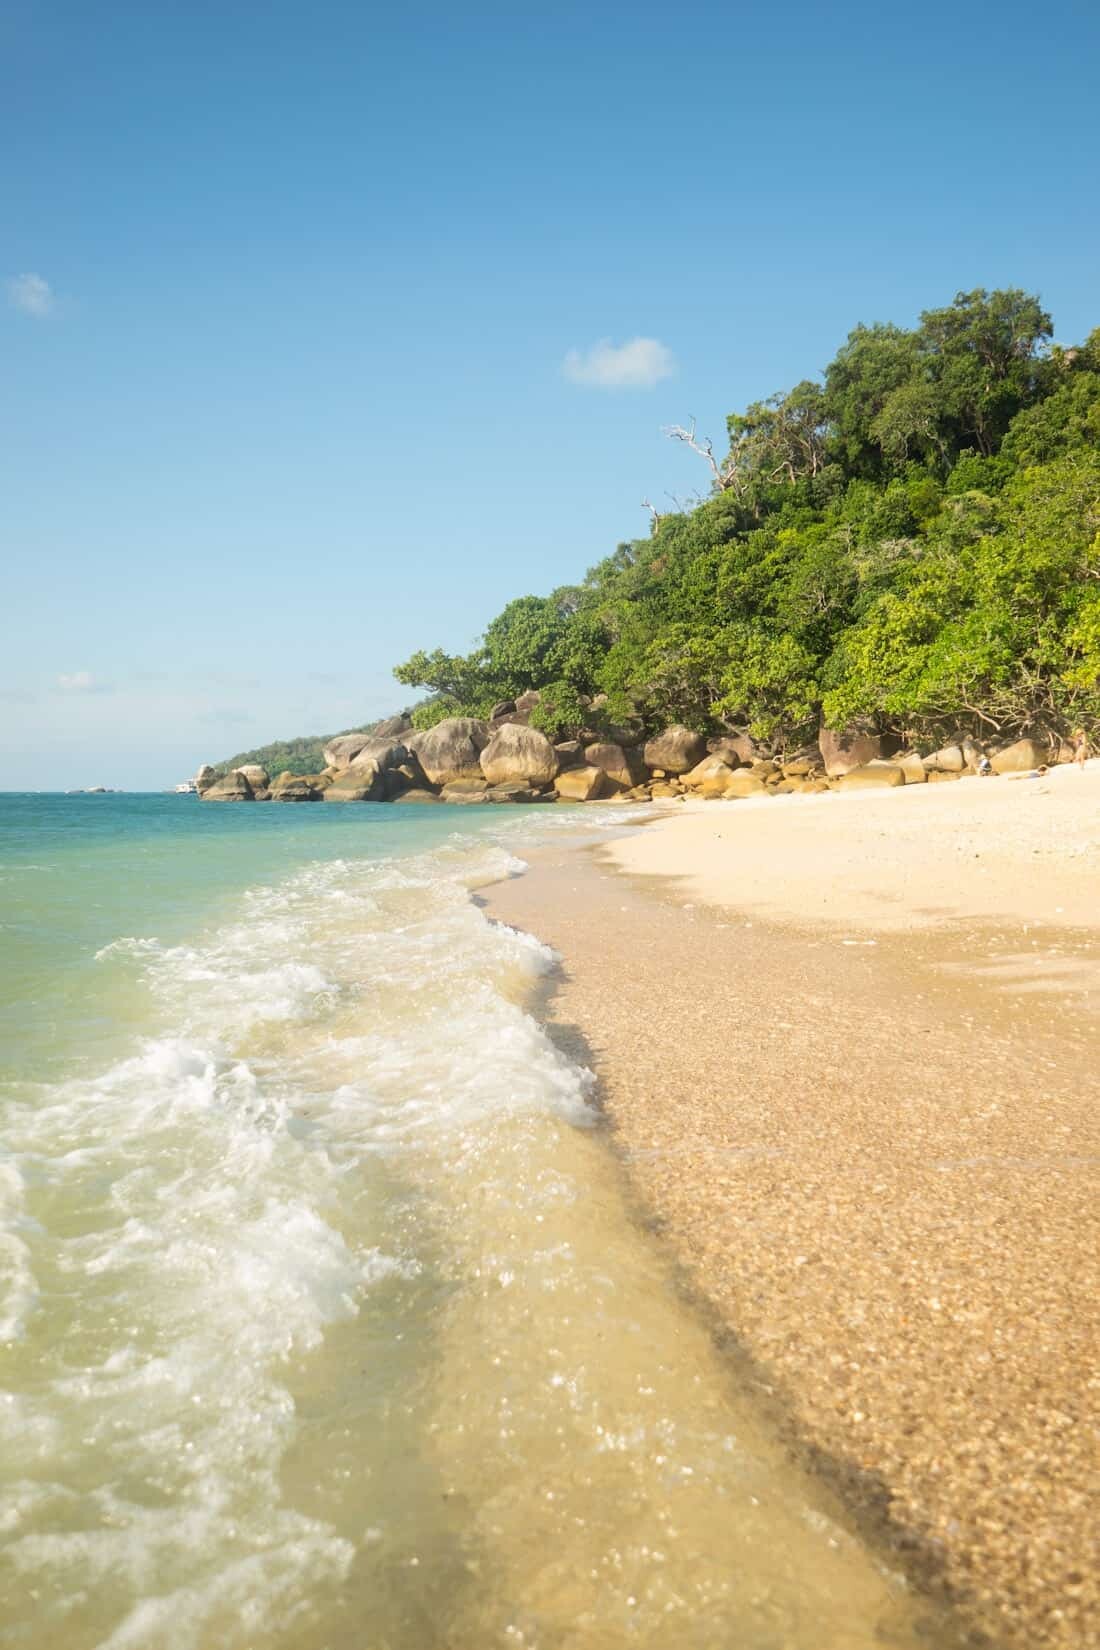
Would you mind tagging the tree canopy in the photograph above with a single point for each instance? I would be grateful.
(913, 541)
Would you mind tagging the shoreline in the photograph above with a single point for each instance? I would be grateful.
(830, 1131)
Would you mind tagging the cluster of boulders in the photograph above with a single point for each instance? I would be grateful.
(466, 759)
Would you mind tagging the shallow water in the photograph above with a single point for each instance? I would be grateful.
(323, 1319)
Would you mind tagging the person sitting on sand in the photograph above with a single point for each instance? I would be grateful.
(1080, 746)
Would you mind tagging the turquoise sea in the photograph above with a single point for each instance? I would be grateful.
(324, 1321)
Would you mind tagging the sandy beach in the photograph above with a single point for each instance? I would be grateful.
(847, 1048)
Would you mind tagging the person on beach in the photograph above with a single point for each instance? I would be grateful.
(1080, 746)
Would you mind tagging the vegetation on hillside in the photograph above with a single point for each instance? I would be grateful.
(913, 541)
(302, 755)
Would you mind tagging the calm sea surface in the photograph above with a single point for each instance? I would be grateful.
(323, 1322)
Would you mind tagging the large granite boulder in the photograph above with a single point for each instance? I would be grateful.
(948, 759)
(736, 749)
(233, 788)
(848, 748)
(743, 782)
(675, 750)
(706, 772)
(502, 710)
(342, 751)
(407, 776)
(516, 791)
(570, 754)
(912, 766)
(415, 794)
(519, 755)
(257, 777)
(205, 778)
(364, 782)
(465, 790)
(297, 787)
(384, 753)
(451, 750)
(874, 776)
(526, 702)
(583, 785)
(392, 727)
(1021, 757)
(622, 764)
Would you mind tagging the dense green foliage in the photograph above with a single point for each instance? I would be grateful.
(914, 541)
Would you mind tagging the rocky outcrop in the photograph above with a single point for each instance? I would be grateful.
(948, 759)
(570, 754)
(383, 753)
(296, 787)
(517, 791)
(233, 788)
(583, 785)
(465, 790)
(526, 702)
(519, 755)
(409, 776)
(205, 778)
(912, 766)
(414, 794)
(1020, 757)
(341, 752)
(736, 749)
(711, 768)
(451, 750)
(257, 777)
(622, 764)
(364, 782)
(842, 750)
(675, 750)
(392, 727)
(800, 764)
(874, 775)
(743, 782)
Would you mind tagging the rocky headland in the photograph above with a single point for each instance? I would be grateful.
(504, 759)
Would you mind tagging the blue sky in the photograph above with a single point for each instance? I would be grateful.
(299, 306)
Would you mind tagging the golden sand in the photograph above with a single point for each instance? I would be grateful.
(873, 1141)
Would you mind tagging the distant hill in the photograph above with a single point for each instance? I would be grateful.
(302, 755)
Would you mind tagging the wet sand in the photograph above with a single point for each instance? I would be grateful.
(875, 1154)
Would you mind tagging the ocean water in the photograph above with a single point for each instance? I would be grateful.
(324, 1322)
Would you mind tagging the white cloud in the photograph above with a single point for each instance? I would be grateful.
(31, 294)
(82, 681)
(638, 364)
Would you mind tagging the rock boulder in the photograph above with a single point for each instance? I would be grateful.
(517, 755)
(205, 778)
(1020, 757)
(296, 787)
(622, 764)
(675, 750)
(948, 759)
(342, 751)
(451, 750)
(233, 788)
(583, 785)
(845, 749)
(875, 775)
(364, 782)
(734, 745)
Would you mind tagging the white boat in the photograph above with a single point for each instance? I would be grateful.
(188, 788)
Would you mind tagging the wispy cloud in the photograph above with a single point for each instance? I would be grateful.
(31, 294)
(82, 681)
(638, 364)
